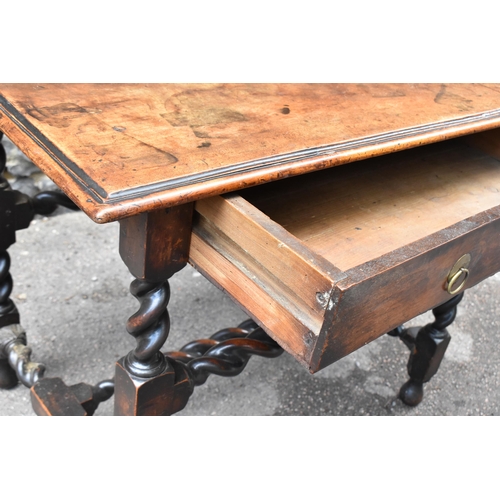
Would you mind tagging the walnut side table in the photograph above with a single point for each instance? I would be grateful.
(331, 213)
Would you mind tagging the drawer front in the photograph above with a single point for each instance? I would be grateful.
(382, 294)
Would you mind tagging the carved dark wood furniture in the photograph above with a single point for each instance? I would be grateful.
(331, 213)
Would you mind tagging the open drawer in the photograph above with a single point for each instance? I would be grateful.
(329, 261)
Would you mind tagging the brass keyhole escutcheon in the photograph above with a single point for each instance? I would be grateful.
(458, 275)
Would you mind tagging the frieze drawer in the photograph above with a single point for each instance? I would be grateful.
(329, 261)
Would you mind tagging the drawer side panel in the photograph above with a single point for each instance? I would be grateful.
(275, 316)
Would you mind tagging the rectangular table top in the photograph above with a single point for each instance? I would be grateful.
(122, 149)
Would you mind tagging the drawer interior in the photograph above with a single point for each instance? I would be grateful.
(357, 212)
(328, 261)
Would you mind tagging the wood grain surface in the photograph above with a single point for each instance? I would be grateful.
(351, 216)
(119, 150)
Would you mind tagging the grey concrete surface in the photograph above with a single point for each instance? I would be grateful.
(71, 288)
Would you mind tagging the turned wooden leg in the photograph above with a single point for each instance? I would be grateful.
(427, 351)
(49, 396)
(154, 246)
(144, 377)
(8, 311)
(16, 212)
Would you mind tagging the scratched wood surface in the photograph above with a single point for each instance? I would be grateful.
(119, 150)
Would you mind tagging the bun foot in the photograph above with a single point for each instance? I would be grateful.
(411, 393)
(8, 377)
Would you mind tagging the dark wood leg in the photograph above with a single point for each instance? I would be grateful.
(8, 310)
(427, 345)
(154, 246)
(148, 382)
(226, 353)
(144, 377)
(49, 396)
(16, 212)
